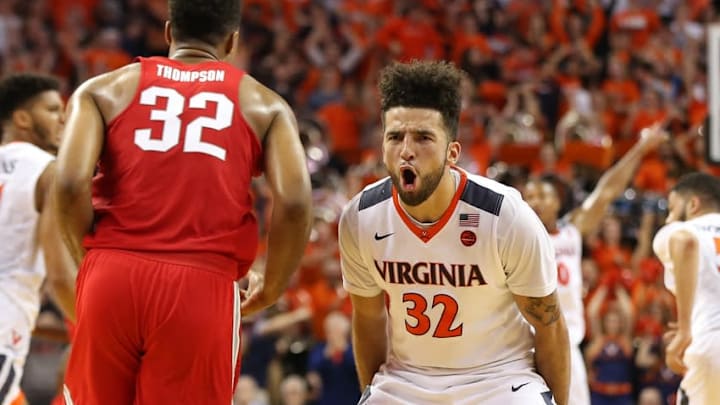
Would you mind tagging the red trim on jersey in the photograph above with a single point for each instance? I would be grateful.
(425, 234)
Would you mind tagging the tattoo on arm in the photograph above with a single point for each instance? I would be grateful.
(544, 310)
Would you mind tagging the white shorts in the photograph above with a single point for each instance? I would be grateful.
(400, 387)
(701, 384)
(15, 333)
(579, 388)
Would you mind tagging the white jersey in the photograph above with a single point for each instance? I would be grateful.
(450, 285)
(568, 255)
(706, 308)
(21, 266)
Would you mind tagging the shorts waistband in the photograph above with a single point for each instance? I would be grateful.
(213, 262)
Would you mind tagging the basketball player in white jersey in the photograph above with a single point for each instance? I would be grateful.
(544, 195)
(452, 276)
(31, 116)
(689, 247)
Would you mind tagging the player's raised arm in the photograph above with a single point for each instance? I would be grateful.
(77, 159)
(529, 261)
(60, 268)
(684, 254)
(587, 217)
(287, 176)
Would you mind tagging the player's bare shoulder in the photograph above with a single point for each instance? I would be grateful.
(259, 105)
(113, 91)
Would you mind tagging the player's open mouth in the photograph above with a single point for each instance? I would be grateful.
(408, 178)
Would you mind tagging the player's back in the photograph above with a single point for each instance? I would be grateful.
(174, 175)
(21, 267)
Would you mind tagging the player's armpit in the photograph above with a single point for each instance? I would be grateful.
(539, 311)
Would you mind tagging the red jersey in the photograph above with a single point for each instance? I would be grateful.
(174, 175)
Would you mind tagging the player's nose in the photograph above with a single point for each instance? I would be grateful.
(406, 149)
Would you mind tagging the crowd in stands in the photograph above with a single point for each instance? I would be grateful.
(552, 86)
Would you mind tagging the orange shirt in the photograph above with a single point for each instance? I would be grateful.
(464, 41)
(418, 41)
(61, 9)
(652, 176)
(342, 127)
(104, 60)
(625, 91)
(640, 23)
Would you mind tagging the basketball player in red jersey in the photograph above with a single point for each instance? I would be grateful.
(167, 219)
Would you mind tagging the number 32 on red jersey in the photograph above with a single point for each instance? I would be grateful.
(172, 124)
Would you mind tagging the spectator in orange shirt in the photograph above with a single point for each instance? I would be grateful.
(341, 119)
(468, 37)
(568, 22)
(649, 110)
(620, 89)
(638, 20)
(550, 163)
(412, 36)
(105, 54)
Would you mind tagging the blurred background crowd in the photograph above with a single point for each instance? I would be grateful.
(552, 86)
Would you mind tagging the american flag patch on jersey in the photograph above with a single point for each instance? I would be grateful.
(470, 220)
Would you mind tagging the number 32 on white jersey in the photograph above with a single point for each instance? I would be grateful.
(172, 125)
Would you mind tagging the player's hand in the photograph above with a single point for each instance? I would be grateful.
(256, 297)
(653, 136)
(255, 282)
(675, 351)
(670, 334)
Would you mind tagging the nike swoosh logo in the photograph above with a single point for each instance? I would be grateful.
(514, 388)
(381, 237)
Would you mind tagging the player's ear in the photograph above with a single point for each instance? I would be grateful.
(453, 152)
(21, 119)
(232, 42)
(168, 33)
(693, 204)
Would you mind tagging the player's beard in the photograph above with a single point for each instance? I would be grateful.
(427, 182)
(44, 139)
(683, 213)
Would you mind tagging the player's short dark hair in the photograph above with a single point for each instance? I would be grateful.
(208, 21)
(17, 90)
(563, 190)
(423, 84)
(705, 186)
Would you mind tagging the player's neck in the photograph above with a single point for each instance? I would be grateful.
(192, 52)
(10, 136)
(702, 212)
(435, 206)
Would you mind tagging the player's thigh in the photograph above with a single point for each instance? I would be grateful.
(192, 350)
(703, 367)
(521, 389)
(107, 342)
(389, 388)
(518, 388)
(579, 389)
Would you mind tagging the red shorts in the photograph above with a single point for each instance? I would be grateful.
(152, 332)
